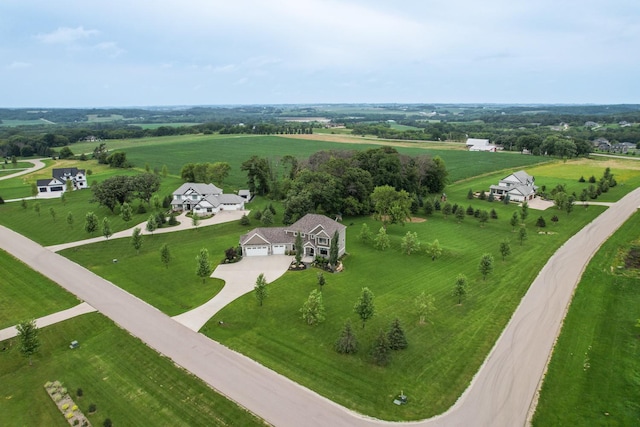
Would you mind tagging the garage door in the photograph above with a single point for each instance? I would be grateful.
(278, 249)
(257, 251)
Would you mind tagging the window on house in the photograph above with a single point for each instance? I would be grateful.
(324, 252)
(323, 241)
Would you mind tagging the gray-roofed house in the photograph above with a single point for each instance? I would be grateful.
(204, 199)
(315, 230)
(520, 186)
(58, 182)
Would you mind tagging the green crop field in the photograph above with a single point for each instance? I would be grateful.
(127, 381)
(594, 374)
(157, 125)
(26, 294)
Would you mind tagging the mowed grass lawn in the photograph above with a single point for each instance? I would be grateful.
(594, 374)
(127, 381)
(26, 294)
(172, 290)
(46, 230)
(443, 355)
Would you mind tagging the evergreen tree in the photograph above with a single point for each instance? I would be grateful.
(245, 220)
(505, 248)
(524, 211)
(493, 214)
(333, 250)
(396, 336)
(321, 280)
(540, 222)
(36, 207)
(52, 212)
(428, 207)
(70, 219)
(267, 218)
(483, 217)
(299, 248)
(381, 353)
(165, 255)
(522, 235)
(347, 343)
(470, 194)
(514, 221)
(459, 215)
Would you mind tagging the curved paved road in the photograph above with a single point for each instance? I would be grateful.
(501, 394)
(37, 164)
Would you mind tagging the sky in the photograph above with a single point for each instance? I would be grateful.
(96, 53)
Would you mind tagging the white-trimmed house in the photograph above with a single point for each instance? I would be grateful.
(519, 186)
(315, 230)
(476, 144)
(204, 199)
(58, 182)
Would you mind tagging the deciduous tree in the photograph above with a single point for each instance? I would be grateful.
(434, 250)
(505, 248)
(486, 265)
(382, 240)
(165, 255)
(365, 307)
(260, 289)
(29, 341)
(106, 228)
(136, 239)
(203, 269)
(151, 224)
(410, 243)
(460, 289)
(313, 308)
(90, 222)
(424, 305)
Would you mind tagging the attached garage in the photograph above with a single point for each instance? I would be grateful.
(279, 249)
(257, 251)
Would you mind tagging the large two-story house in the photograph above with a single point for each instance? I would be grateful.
(519, 186)
(58, 182)
(315, 230)
(204, 199)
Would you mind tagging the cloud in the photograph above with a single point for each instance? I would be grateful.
(66, 35)
(110, 48)
(17, 65)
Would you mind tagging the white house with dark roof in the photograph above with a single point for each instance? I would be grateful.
(315, 230)
(58, 183)
(204, 199)
(519, 186)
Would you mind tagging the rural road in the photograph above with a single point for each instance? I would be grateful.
(37, 164)
(501, 393)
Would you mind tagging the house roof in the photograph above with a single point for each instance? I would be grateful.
(244, 193)
(203, 189)
(523, 177)
(477, 141)
(62, 173)
(311, 221)
(269, 235)
(227, 199)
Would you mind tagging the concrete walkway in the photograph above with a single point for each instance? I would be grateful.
(37, 164)
(240, 278)
(82, 308)
(185, 224)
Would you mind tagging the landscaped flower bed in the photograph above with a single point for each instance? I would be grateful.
(65, 404)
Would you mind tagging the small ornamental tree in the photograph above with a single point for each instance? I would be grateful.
(396, 336)
(347, 343)
(428, 207)
(36, 207)
(470, 211)
(172, 219)
(382, 240)
(434, 250)
(136, 239)
(381, 353)
(459, 215)
(151, 224)
(106, 228)
(491, 198)
(90, 222)
(195, 220)
(29, 342)
(321, 280)
(483, 218)
(203, 269)
(447, 209)
(522, 235)
(505, 248)
(313, 308)
(424, 305)
(506, 199)
(483, 195)
(554, 219)
(493, 214)
(486, 265)
(460, 289)
(365, 307)
(230, 253)
(365, 235)
(165, 255)
(125, 212)
(63, 198)
(70, 219)
(410, 243)
(540, 222)
(52, 212)
(470, 194)
(260, 289)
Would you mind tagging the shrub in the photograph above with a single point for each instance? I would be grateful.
(48, 384)
(582, 179)
(65, 406)
(79, 392)
(141, 209)
(69, 415)
(173, 220)
(63, 390)
(74, 408)
(245, 220)
(76, 422)
(1, 201)
(92, 408)
(258, 215)
(107, 422)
